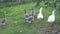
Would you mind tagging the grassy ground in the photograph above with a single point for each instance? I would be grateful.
(16, 23)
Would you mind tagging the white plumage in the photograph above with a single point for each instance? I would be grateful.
(40, 15)
(51, 18)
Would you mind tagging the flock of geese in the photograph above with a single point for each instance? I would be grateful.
(30, 18)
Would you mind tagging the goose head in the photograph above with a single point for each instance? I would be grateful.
(4, 14)
(41, 9)
(53, 12)
(32, 8)
(25, 10)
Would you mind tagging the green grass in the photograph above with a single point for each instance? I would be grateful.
(16, 14)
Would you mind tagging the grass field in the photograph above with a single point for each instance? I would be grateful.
(16, 23)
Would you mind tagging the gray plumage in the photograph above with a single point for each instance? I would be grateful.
(25, 14)
(4, 18)
(30, 19)
(32, 12)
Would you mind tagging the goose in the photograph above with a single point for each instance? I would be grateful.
(4, 20)
(40, 15)
(51, 18)
(32, 13)
(25, 14)
(31, 18)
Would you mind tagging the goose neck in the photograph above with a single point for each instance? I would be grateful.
(53, 13)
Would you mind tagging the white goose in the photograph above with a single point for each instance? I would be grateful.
(51, 18)
(40, 15)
